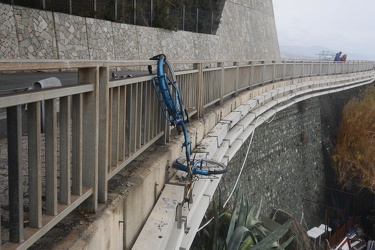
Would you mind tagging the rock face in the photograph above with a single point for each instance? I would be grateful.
(285, 162)
(247, 31)
(289, 159)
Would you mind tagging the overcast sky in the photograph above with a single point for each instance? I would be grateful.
(345, 25)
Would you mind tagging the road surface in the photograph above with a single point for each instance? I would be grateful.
(20, 81)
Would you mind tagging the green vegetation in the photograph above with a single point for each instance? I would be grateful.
(354, 154)
(242, 229)
(168, 14)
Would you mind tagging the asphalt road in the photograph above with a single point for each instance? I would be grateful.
(18, 82)
(25, 80)
(22, 81)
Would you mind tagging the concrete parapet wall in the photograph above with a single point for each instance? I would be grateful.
(247, 31)
(105, 232)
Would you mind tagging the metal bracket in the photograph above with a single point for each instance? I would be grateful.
(180, 218)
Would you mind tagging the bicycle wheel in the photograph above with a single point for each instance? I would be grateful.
(211, 166)
(201, 166)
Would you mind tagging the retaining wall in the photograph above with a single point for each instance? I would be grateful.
(247, 31)
(285, 163)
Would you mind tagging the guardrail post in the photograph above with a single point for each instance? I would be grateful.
(335, 67)
(199, 90)
(252, 74)
(348, 67)
(51, 156)
(90, 138)
(70, 6)
(103, 134)
(222, 75)
(34, 163)
(320, 68)
(183, 17)
(303, 69)
(197, 22)
(284, 70)
(134, 12)
(65, 150)
(14, 127)
(294, 69)
(237, 80)
(77, 144)
(167, 130)
(311, 68)
(274, 71)
(263, 71)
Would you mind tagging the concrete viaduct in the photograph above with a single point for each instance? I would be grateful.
(108, 132)
(105, 153)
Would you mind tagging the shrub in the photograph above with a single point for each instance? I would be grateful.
(243, 229)
(354, 154)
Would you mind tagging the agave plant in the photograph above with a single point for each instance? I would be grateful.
(244, 229)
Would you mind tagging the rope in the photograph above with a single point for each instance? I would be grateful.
(242, 167)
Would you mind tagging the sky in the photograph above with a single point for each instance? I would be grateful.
(339, 25)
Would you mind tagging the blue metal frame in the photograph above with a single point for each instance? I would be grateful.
(170, 102)
(172, 107)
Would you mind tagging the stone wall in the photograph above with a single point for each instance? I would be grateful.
(247, 31)
(289, 162)
(285, 163)
(8, 38)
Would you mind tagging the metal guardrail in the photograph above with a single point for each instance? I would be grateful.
(102, 126)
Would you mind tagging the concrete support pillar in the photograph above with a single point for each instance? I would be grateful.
(252, 74)
(14, 129)
(222, 75)
(237, 80)
(90, 122)
(103, 164)
(199, 90)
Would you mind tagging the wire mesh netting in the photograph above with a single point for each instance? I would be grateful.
(138, 12)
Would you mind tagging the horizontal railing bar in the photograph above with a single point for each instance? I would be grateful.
(129, 81)
(12, 65)
(33, 234)
(211, 69)
(123, 63)
(244, 88)
(185, 72)
(118, 168)
(230, 93)
(192, 112)
(245, 66)
(211, 103)
(40, 95)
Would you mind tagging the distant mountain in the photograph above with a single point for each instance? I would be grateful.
(292, 52)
